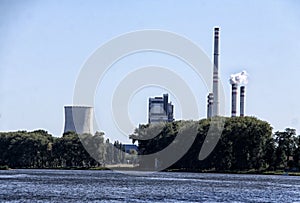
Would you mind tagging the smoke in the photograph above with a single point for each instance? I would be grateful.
(239, 78)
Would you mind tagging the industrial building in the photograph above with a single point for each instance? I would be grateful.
(79, 119)
(160, 109)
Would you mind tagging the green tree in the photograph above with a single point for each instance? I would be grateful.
(286, 146)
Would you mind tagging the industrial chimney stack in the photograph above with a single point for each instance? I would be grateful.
(216, 104)
(242, 101)
(238, 80)
(210, 101)
(233, 99)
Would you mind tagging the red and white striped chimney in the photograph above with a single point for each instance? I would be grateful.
(216, 103)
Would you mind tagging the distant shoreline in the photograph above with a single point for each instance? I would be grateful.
(251, 172)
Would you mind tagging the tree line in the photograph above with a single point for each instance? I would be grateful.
(39, 149)
(246, 143)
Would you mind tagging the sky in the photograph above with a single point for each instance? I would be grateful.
(45, 44)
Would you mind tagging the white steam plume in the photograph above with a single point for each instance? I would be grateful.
(239, 78)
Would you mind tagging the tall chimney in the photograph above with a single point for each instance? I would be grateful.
(210, 101)
(242, 101)
(233, 101)
(165, 100)
(216, 104)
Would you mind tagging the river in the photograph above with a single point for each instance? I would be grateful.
(108, 186)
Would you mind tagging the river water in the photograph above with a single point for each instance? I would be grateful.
(109, 186)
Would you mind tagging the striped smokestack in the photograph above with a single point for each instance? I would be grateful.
(210, 101)
(242, 101)
(234, 98)
(216, 73)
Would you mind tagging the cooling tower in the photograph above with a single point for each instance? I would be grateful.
(210, 101)
(234, 98)
(79, 119)
(242, 101)
(216, 104)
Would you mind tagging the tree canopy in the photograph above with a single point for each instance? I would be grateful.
(246, 143)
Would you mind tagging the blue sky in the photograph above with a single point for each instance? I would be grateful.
(44, 44)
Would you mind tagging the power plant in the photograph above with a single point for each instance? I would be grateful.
(236, 80)
(79, 119)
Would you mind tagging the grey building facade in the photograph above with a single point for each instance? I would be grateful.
(160, 109)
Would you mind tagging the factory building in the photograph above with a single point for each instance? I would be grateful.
(160, 109)
(79, 119)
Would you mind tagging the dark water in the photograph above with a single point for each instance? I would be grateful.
(108, 186)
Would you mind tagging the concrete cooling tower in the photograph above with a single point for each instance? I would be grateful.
(79, 119)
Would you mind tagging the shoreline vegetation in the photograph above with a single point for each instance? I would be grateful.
(246, 146)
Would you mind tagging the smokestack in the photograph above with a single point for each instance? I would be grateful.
(210, 102)
(79, 119)
(216, 73)
(242, 101)
(238, 79)
(233, 101)
(166, 100)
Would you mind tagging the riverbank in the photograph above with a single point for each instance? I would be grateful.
(129, 167)
(253, 172)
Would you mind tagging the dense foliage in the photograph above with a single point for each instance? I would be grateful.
(38, 149)
(246, 143)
